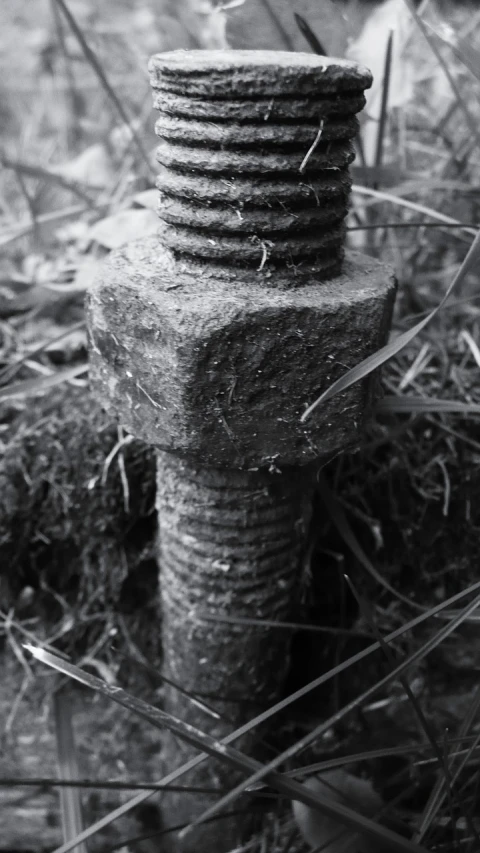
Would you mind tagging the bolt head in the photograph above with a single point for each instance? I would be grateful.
(221, 367)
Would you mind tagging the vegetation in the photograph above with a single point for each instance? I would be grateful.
(396, 522)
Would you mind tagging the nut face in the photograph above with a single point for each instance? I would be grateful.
(221, 370)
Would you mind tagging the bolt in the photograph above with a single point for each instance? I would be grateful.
(210, 341)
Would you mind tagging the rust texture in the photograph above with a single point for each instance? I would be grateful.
(230, 543)
(220, 371)
(210, 341)
(254, 163)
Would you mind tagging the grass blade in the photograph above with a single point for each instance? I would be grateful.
(70, 802)
(437, 795)
(372, 754)
(339, 519)
(273, 623)
(227, 754)
(100, 73)
(269, 713)
(31, 204)
(193, 697)
(413, 205)
(35, 386)
(309, 35)
(440, 755)
(126, 844)
(418, 405)
(368, 365)
(46, 782)
(74, 96)
(414, 224)
(9, 371)
(382, 125)
(24, 227)
(318, 731)
(318, 48)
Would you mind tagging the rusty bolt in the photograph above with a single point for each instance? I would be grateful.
(210, 341)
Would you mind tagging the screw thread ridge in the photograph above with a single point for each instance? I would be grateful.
(254, 154)
(232, 549)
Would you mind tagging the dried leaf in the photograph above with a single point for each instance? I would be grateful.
(146, 198)
(93, 168)
(328, 834)
(84, 276)
(114, 231)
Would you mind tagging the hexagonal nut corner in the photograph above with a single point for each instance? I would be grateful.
(220, 371)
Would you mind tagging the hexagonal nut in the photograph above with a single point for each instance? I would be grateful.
(220, 370)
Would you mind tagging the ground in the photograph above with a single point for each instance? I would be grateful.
(399, 515)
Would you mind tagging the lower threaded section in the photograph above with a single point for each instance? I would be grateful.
(231, 545)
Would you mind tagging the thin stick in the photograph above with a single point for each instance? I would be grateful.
(97, 67)
(309, 35)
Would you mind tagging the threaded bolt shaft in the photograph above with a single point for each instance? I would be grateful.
(254, 181)
(231, 543)
(211, 341)
(255, 161)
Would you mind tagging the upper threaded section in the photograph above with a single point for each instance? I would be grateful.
(255, 152)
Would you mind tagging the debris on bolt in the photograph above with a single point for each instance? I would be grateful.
(222, 146)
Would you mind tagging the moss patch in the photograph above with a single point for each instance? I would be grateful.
(77, 521)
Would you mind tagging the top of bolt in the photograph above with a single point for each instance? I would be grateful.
(254, 158)
(225, 74)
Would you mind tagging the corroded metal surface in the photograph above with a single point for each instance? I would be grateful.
(210, 341)
(220, 370)
(262, 147)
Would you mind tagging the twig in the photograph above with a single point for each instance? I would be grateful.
(33, 171)
(96, 65)
(312, 148)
